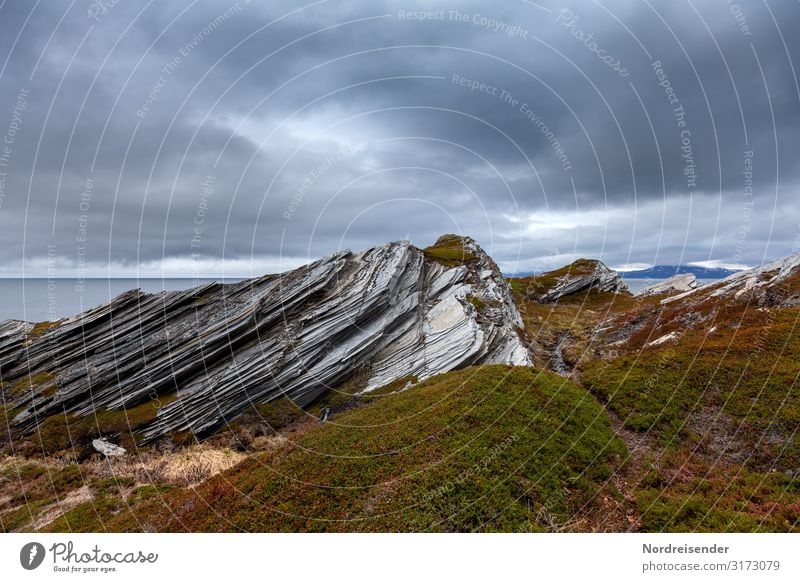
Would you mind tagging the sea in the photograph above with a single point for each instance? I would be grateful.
(53, 299)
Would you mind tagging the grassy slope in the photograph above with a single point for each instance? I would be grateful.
(28, 487)
(489, 448)
(712, 418)
(720, 409)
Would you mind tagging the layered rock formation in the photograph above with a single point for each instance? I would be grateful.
(582, 275)
(709, 310)
(676, 284)
(764, 283)
(211, 352)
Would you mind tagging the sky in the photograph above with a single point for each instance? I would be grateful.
(206, 139)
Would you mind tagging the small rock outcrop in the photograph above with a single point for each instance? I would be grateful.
(212, 352)
(582, 275)
(108, 449)
(677, 284)
(764, 284)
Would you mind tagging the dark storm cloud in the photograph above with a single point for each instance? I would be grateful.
(185, 134)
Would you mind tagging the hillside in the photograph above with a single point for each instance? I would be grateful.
(675, 410)
(493, 448)
(702, 385)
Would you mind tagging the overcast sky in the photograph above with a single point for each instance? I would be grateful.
(208, 138)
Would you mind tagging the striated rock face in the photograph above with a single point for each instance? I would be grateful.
(581, 276)
(13, 335)
(676, 284)
(393, 310)
(764, 283)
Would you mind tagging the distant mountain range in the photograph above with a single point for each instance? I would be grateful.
(666, 271)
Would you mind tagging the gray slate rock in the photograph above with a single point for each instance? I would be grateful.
(221, 348)
(677, 284)
(764, 283)
(601, 279)
(108, 449)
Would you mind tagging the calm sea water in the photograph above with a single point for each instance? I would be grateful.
(43, 300)
(48, 300)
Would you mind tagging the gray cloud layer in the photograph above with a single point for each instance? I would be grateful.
(192, 135)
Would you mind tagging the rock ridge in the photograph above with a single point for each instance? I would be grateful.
(210, 353)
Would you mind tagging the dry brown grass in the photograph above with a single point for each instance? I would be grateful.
(188, 466)
(36, 492)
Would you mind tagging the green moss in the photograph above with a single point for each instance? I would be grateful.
(42, 328)
(107, 509)
(62, 432)
(481, 305)
(35, 382)
(280, 413)
(22, 472)
(710, 498)
(111, 486)
(488, 448)
(449, 251)
(28, 488)
(146, 492)
(477, 302)
(66, 479)
(86, 517)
